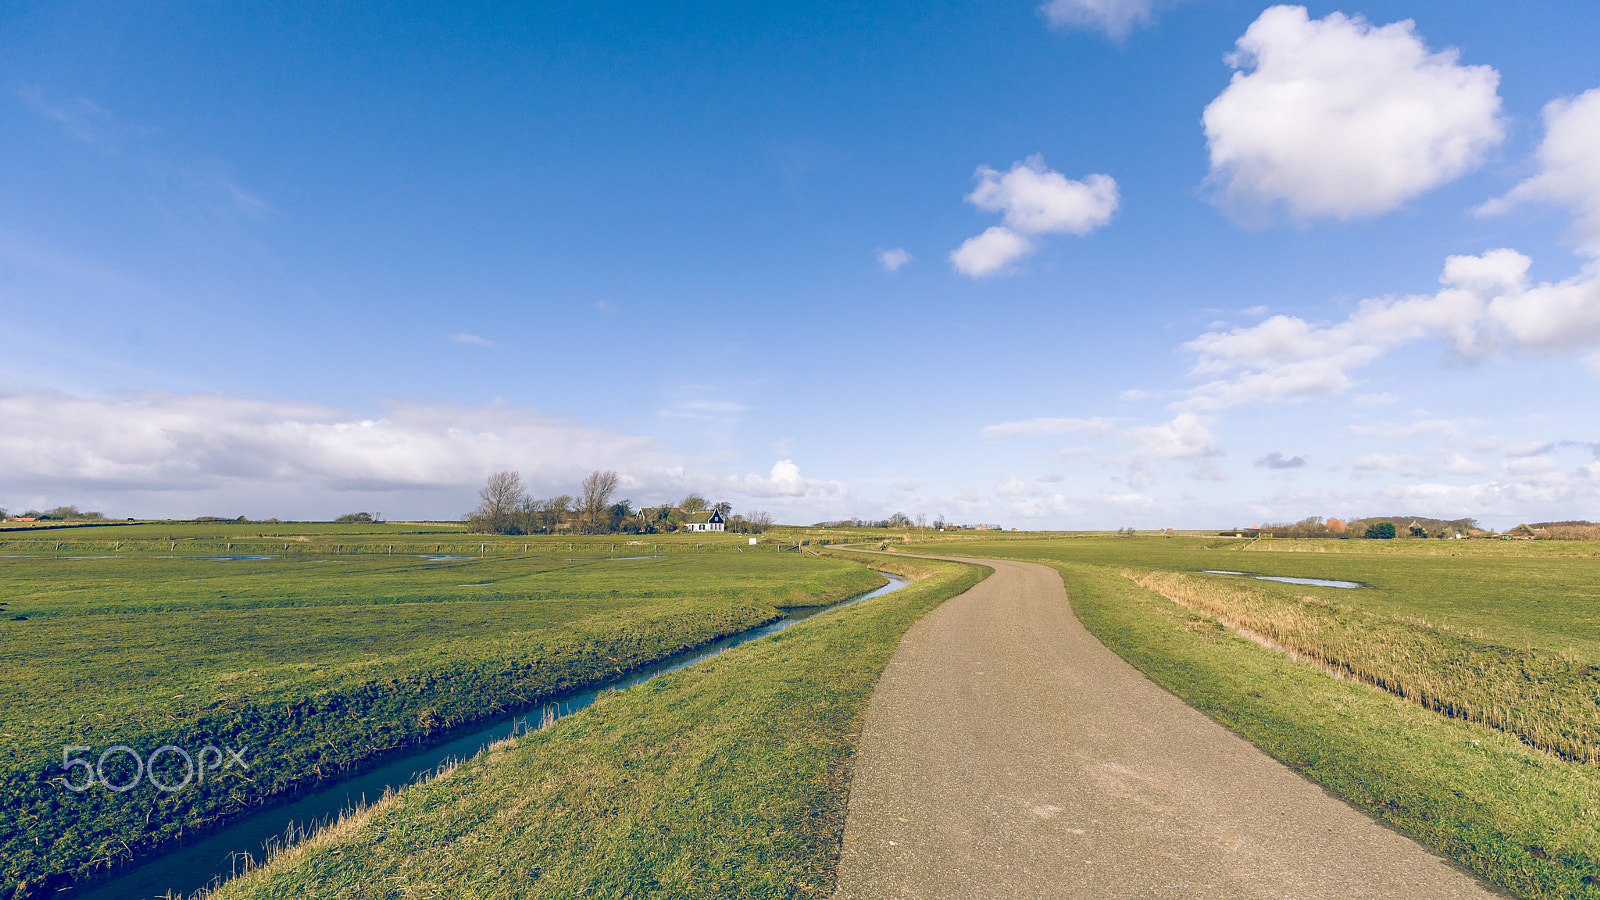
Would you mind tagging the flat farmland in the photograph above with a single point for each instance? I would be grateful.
(318, 658)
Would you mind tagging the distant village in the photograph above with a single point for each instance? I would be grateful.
(1419, 527)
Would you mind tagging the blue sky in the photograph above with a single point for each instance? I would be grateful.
(1081, 265)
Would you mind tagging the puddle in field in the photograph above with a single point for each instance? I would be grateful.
(226, 558)
(186, 869)
(479, 584)
(437, 558)
(1315, 582)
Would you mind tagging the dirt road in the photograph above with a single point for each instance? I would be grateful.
(1008, 754)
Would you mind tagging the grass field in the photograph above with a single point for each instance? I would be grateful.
(1470, 714)
(318, 659)
(724, 780)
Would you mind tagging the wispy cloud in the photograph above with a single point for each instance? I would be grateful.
(209, 184)
(1097, 425)
(81, 118)
(464, 338)
(1114, 17)
(703, 409)
(1276, 460)
(1487, 304)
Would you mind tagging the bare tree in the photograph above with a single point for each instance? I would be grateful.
(597, 491)
(548, 514)
(725, 508)
(503, 498)
(694, 503)
(760, 520)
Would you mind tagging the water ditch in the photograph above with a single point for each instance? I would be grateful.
(1314, 582)
(225, 853)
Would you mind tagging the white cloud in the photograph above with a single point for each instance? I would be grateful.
(1132, 394)
(1380, 461)
(1448, 428)
(1184, 437)
(1276, 460)
(1569, 159)
(185, 454)
(892, 260)
(1339, 118)
(786, 482)
(464, 338)
(1486, 303)
(1097, 425)
(1114, 17)
(1033, 200)
(993, 251)
(1016, 487)
(1459, 464)
(181, 455)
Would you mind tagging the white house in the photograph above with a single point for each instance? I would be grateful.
(704, 521)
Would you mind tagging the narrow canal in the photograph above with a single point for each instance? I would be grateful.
(224, 853)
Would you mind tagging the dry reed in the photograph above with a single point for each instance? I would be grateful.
(1548, 700)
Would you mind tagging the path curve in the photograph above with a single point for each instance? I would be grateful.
(1007, 753)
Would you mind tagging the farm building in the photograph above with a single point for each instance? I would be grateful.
(704, 521)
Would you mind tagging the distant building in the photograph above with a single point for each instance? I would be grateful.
(1336, 527)
(704, 521)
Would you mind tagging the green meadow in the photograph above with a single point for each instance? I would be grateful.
(1466, 711)
(727, 779)
(348, 644)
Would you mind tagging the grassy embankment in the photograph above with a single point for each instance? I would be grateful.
(1444, 641)
(315, 661)
(728, 779)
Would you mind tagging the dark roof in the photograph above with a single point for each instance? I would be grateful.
(709, 517)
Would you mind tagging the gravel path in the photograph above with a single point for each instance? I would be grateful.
(1008, 754)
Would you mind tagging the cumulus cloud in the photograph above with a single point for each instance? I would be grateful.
(1487, 303)
(1569, 160)
(1114, 17)
(993, 251)
(1186, 436)
(1337, 118)
(786, 482)
(1033, 201)
(1276, 460)
(892, 260)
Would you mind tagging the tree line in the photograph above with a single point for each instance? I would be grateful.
(60, 513)
(506, 507)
